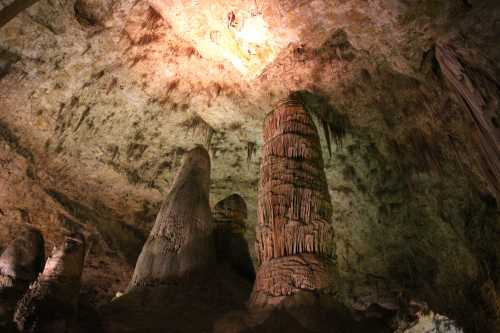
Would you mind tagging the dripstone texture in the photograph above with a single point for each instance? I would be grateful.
(294, 231)
(20, 264)
(51, 303)
(99, 101)
(177, 285)
(181, 241)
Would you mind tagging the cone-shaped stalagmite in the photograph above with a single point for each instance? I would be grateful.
(50, 304)
(20, 264)
(177, 285)
(181, 240)
(231, 246)
(294, 232)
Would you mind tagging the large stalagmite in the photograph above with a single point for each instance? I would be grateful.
(177, 285)
(50, 305)
(20, 264)
(294, 287)
(294, 232)
(231, 246)
(181, 240)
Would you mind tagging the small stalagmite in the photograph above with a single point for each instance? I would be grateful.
(231, 246)
(20, 264)
(294, 231)
(181, 241)
(50, 305)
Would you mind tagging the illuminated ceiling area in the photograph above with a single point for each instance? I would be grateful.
(248, 34)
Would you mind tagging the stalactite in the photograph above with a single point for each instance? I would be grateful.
(181, 239)
(294, 232)
(480, 97)
(50, 305)
(20, 264)
(231, 246)
(334, 124)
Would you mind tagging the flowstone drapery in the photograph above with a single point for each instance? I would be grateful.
(294, 232)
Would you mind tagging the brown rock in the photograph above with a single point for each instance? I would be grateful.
(20, 264)
(294, 232)
(50, 305)
(181, 240)
(231, 246)
(177, 286)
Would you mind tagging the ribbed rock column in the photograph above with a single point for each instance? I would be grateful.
(231, 246)
(181, 240)
(20, 264)
(294, 232)
(50, 305)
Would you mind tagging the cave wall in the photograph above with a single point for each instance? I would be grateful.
(99, 101)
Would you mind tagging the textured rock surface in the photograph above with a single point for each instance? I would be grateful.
(229, 216)
(51, 303)
(20, 264)
(181, 241)
(177, 285)
(294, 231)
(99, 101)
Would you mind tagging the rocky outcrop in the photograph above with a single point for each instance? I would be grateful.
(50, 305)
(231, 246)
(181, 241)
(20, 264)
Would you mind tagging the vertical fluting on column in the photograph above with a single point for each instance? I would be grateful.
(51, 303)
(20, 264)
(181, 240)
(294, 231)
(229, 216)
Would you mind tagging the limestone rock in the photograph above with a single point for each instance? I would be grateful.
(51, 303)
(181, 241)
(229, 216)
(20, 264)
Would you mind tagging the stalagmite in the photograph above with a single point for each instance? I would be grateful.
(181, 241)
(294, 232)
(50, 305)
(20, 264)
(177, 285)
(231, 246)
(294, 285)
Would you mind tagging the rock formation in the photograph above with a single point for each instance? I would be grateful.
(231, 246)
(20, 264)
(294, 284)
(177, 286)
(294, 232)
(50, 305)
(181, 240)
(10, 8)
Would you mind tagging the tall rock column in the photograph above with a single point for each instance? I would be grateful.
(294, 231)
(20, 264)
(181, 240)
(50, 305)
(230, 227)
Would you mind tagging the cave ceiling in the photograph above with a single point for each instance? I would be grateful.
(99, 100)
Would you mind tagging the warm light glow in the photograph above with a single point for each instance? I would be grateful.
(219, 30)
